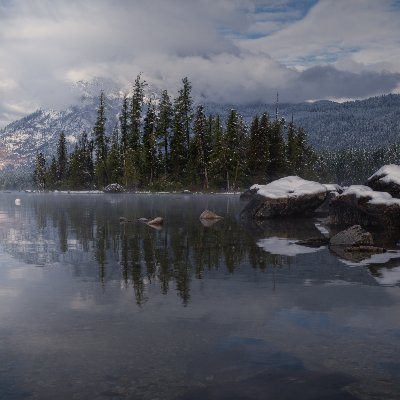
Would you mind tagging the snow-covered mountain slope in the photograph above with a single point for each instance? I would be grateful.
(365, 123)
(40, 130)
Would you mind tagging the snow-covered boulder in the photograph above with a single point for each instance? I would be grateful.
(360, 205)
(284, 197)
(114, 188)
(386, 179)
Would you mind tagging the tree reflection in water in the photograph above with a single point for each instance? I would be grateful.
(84, 231)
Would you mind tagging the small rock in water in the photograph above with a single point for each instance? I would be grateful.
(123, 219)
(353, 236)
(156, 221)
(17, 202)
(207, 214)
(114, 188)
(143, 219)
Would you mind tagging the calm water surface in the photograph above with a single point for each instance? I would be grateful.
(94, 309)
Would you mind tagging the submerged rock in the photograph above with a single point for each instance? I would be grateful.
(207, 214)
(386, 179)
(114, 188)
(360, 205)
(284, 197)
(353, 236)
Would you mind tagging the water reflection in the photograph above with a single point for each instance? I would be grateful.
(84, 231)
(256, 324)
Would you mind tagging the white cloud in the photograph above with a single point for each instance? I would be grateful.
(46, 45)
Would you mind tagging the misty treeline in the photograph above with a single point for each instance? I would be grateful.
(164, 144)
(169, 144)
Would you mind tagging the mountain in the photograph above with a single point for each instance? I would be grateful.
(329, 125)
(39, 131)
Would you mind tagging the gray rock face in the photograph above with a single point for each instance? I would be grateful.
(353, 236)
(360, 205)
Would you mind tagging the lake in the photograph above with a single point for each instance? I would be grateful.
(94, 309)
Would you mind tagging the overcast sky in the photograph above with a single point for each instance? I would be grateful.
(239, 51)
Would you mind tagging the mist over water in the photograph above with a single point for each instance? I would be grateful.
(95, 309)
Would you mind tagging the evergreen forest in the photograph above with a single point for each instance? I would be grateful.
(169, 144)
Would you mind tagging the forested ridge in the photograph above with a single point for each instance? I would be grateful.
(167, 144)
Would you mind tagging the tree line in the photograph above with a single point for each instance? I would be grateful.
(167, 144)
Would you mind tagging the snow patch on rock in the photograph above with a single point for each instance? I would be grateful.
(388, 174)
(289, 187)
(378, 198)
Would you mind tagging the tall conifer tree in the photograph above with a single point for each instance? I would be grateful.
(100, 144)
(163, 130)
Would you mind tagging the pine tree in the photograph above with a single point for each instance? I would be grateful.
(39, 174)
(81, 164)
(163, 130)
(200, 152)
(277, 151)
(114, 159)
(180, 140)
(133, 153)
(135, 112)
(100, 144)
(51, 175)
(217, 153)
(235, 153)
(62, 160)
(124, 124)
(150, 143)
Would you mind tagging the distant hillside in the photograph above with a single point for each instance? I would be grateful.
(330, 125)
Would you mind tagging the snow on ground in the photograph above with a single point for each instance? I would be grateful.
(388, 174)
(378, 198)
(285, 247)
(290, 186)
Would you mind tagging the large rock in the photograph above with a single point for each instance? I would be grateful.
(353, 236)
(114, 188)
(360, 205)
(386, 179)
(282, 198)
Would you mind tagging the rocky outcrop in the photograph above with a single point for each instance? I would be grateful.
(282, 198)
(114, 188)
(386, 179)
(360, 205)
